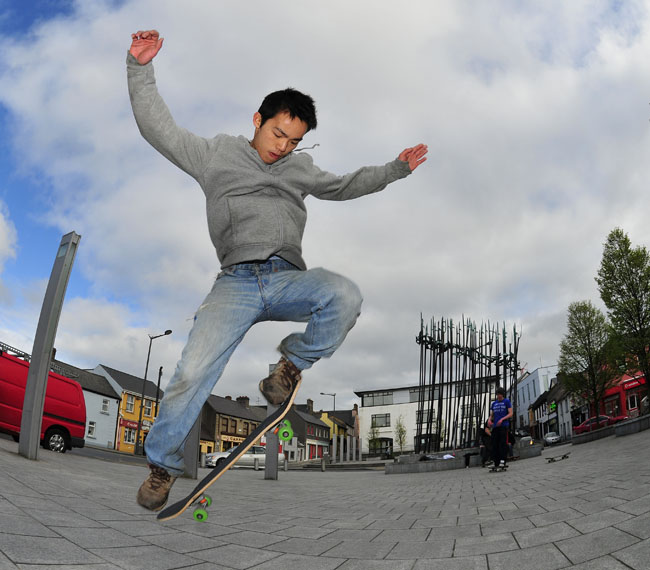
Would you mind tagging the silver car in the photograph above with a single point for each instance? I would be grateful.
(256, 452)
(551, 438)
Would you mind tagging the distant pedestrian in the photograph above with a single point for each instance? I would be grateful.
(499, 422)
(485, 444)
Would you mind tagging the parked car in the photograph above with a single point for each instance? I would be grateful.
(247, 460)
(64, 409)
(597, 423)
(551, 438)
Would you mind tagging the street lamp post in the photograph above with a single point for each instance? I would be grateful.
(138, 447)
(155, 414)
(333, 396)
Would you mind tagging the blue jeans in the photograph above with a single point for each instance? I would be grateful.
(242, 295)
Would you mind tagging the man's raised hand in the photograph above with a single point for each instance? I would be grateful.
(415, 155)
(145, 45)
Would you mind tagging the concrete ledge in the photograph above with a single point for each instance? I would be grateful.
(632, 426)
(418, 466)
(593, 435)
(528, 451)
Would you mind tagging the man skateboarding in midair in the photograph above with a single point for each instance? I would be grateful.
(255, 191)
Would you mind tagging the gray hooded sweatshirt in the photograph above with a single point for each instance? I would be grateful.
(255, 210)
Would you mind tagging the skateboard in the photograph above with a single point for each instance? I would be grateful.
(558, 457)
(197, 497)
(496, 468)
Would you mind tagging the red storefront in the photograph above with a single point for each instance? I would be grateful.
(624, 399)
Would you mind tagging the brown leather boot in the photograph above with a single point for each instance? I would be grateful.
(277, 387)
(154, 491)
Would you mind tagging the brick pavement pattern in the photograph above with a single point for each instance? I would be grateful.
(590, 512)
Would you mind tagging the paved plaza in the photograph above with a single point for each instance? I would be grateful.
(591, 512)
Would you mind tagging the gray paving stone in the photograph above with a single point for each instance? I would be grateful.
(254, 539)
(24, 525)
(602, 563)
(235, 556)
(419, 550)
(595, 544)
(304, 546)
(299, 562)
(545, 534)
(636, 556)
(377, 565)
(485, 545)
(637, 526)
(97, 537)
(468, 563)
(597, 521)
(503, 527)
(183, 542)
(406, 535)
(545, 557)
(360, 549)
(141, 557)
(42, 550)
(555, 516)
(467, 531)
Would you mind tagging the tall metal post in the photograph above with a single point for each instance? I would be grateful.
(39, 368)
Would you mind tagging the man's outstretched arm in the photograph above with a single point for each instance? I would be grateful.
(145, 45)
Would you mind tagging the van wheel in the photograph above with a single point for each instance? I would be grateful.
(56, 440)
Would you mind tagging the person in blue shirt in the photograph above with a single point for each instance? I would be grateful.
(499, 422)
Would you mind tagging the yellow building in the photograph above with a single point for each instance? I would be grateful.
(130, 389)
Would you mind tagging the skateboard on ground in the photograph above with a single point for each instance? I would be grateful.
(198, 497)
(558, 457)
(496, 468)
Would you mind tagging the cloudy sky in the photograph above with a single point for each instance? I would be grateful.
(535, 113)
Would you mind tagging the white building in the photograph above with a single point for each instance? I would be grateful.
(530, 388)
(382, 410)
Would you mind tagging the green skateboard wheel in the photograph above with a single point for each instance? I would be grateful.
(285, 434)
(200, 515)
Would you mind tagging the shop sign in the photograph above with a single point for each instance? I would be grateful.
(232, 438)
(128, 424)
(631, 384)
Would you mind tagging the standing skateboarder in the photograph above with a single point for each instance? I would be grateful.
(255, 191)
(500, 414)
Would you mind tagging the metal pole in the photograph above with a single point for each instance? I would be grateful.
(138, 447)
(158, 391)
(48, 322)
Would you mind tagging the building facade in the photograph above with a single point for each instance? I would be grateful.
(131, 401)
(529, 388)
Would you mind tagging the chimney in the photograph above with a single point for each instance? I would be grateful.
(228, 398)
(310, 405)
(244, 401)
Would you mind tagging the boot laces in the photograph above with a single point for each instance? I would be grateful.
(158, 477)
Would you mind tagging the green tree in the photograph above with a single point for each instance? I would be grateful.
(624, 285)
(586, 354)
(400, 433)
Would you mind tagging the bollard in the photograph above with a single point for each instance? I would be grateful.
(256, 464)
(286, 465)
(322, 464)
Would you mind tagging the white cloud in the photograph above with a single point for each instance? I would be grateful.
(535, 116)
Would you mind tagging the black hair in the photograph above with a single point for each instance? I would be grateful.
(501, 391)
(290, 101)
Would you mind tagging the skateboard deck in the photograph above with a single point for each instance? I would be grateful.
(558, 457)
(494, 469)
(197, 496)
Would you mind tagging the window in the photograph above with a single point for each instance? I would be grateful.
(91, 429)
(380, 420)
(105, 404)
(377, 399)
(233, 425)
(426, 416)
(246, 428)
(224, 425)
(129, 435)
(148, 405)
(130, 403)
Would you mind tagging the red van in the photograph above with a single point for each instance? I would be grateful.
(64, 410)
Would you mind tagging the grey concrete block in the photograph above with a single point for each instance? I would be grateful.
(636, 556)
(595, 544)
(544, 557)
